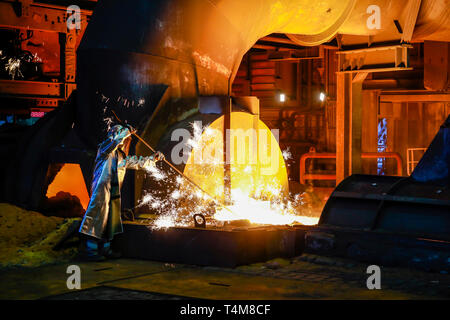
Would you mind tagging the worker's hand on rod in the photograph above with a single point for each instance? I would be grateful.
(158, 156)
(131, 129)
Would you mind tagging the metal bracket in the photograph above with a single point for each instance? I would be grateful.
(376, 59)
(199, 221)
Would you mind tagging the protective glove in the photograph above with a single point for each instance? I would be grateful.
(131, 129)
(158, 156)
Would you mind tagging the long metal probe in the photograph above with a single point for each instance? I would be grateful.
(175, 168)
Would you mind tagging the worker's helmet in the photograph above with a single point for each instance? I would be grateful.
(115, 130)
(115, 137)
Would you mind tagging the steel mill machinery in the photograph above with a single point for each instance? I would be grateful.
(392, 220)
(161, 65)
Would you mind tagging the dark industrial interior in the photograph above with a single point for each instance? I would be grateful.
(351, 98)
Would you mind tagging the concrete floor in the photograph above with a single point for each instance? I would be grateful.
(305, 277)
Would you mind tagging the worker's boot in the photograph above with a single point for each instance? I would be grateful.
(108, 251)
(89, 250)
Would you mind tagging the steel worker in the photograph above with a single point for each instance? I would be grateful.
(102, 219)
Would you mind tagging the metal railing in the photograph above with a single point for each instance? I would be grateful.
(412, 160)
(312, 154)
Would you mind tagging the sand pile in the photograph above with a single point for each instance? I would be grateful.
(27, 238)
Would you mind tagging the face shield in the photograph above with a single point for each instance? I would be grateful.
(116, 137)
(118, 134)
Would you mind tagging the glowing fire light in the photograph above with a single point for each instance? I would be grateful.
(322, 96)
(155, 172)
(287, 154)
(260, 212)
(258, 194)
(164, 221)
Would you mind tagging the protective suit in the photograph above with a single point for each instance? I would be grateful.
(102, 219)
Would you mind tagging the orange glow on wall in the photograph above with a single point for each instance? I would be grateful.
(70, 179)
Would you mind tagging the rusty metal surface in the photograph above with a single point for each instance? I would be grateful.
(31, 88)
(131, 46)
(38, 16)
(49, 20)
(436, 65)
(401, 221)
(392, 204)
(212, 247)
(387, 249)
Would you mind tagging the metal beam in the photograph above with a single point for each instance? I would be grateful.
(31, 88)
(297, 55)
(376, 59)
(349, 124)
(278, 40)
(342, 126)
(410, 23)
(408, 97)
(28, 15)
(356, 123)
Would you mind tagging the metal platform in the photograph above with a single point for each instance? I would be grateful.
(210, 247)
